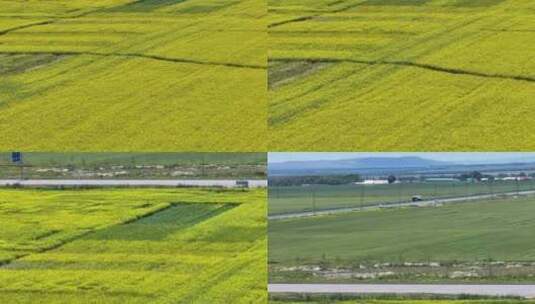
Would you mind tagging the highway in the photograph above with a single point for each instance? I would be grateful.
(525, 291)
(129, 183)
(376, 206)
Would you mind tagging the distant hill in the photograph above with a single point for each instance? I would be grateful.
(393, 165)
(359, 164)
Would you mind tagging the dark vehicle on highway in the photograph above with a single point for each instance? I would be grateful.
(417, 198)
(242, 183)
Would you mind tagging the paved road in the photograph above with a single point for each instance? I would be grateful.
(526, 291)
(130, 183)
(397, 205)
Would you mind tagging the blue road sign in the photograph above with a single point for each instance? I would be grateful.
(16, 157)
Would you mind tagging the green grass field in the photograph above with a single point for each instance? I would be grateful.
(392, 75)
(476, 241)
(132, 246)
(305, 198)
(125, 75)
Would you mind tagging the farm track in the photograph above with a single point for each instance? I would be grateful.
(431, 67)
(144, 56)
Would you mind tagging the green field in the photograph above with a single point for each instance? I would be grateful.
(132, 246)
(476, 241)
(318, 197)
(125, 75)
(409, 75)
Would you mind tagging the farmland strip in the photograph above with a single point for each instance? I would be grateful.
(145, 56)
(309, 17)
(9, 30)
(413, 64)
(82, 234)
(299, 19)
(46, 22)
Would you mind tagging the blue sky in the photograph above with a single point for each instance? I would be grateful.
(457, 157)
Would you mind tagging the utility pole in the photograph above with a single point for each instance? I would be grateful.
(313, 199)
(400, 193)
(203, 172)
(435, 195)
(361, 197)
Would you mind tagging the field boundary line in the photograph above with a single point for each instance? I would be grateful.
(309, 17)
(53, 19)
(432, 67)
(144, 56)
(21, 27)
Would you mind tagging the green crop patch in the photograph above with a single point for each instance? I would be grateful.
(395, 2)
(20, 63)
(281, 73)
(145, 5)
(205, 9)
(162, 223)
(477, 3)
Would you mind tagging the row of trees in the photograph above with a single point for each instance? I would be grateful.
(285, 181)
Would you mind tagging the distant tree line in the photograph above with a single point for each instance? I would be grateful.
(474, 175)
(285, 181)
(478, 176)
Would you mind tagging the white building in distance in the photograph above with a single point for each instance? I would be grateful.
(373, 182)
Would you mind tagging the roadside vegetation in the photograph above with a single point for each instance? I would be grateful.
(135, 165)
(133, 246)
